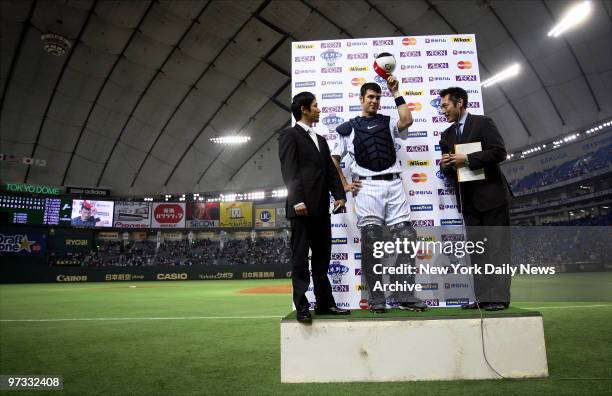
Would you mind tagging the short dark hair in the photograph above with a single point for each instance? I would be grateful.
(304, 99)
(372, 86)
(455, 93)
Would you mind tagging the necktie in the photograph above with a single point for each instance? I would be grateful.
(458, 130)
(313, 136)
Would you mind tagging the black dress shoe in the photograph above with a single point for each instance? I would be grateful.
(332, 311)
(378, 308)
(417, 306)
(304, 317)
(475, 305)
(495, 306)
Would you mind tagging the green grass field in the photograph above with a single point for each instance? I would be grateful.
(204, 337)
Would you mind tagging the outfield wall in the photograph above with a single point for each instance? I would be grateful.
(19, 273)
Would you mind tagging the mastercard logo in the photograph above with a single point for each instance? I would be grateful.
(419, 177)
(416, 106)
(424, 255)
(464, 65)
(358, 81)
(409, 41)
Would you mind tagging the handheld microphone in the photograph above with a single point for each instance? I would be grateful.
(339, 209)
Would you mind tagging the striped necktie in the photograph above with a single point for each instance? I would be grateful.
(458, 130)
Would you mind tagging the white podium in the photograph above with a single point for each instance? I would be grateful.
(396, 347)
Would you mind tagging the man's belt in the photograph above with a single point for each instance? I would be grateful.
(386, 176)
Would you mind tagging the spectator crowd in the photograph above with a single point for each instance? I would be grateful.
(179, 253)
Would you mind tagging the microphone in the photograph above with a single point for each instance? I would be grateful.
(339, 209)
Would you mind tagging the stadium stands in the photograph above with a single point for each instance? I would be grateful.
(579, 168)
(559, 245)
(179, 253)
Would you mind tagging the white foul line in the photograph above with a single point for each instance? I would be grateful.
(119, 319)
(234, 317)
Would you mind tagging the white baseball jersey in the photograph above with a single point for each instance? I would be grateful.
(378, 201)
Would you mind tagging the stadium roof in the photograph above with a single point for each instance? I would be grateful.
(145, 85)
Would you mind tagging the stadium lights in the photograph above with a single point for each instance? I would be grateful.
(148, 199)
(504, 74)
(573, 17)
(279, 193)
(599, 127)
(230, 139)
(228, 197)
(255, 195)
(532, 150)
(557, 143)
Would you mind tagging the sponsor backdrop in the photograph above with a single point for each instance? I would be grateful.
(334, 71)
(132, 215)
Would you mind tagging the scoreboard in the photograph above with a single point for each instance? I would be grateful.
(34, 211)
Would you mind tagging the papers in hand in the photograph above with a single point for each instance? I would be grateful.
(465, 174)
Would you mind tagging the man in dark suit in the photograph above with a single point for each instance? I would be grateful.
(483, 203)
(309, 174)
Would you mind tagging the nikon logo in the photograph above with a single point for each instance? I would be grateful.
(177, 276)
(304, 46)
(358, 68)
(414, 93)
(76, 242)
(418, 163)
(462, 39)
(71, 278)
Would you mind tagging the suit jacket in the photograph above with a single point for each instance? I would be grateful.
(308, 173)
(493, 191)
